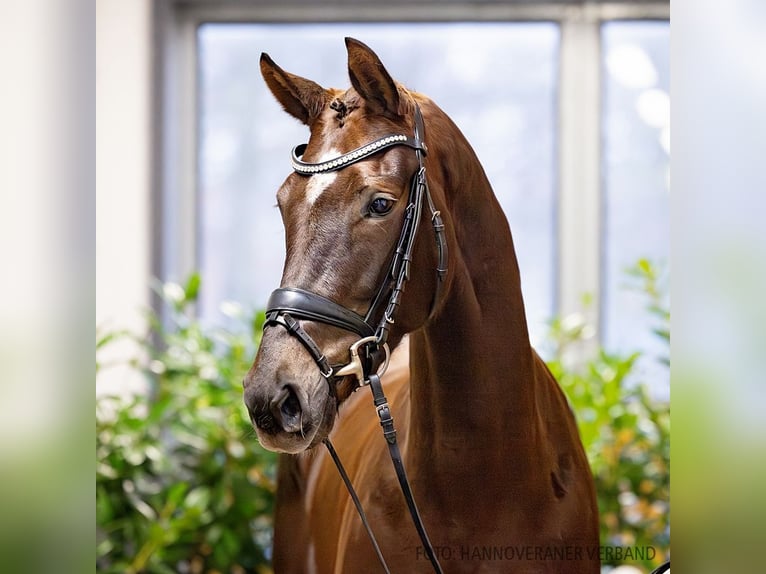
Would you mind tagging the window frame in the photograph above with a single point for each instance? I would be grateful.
(579, 218)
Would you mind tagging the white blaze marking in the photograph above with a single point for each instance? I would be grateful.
(319, 182)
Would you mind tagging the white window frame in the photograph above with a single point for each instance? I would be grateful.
(579, 261)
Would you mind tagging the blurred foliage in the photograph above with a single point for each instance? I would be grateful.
(625, 431)
(181, 482)
(182, 485)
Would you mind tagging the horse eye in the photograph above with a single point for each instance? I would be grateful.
(381, 206)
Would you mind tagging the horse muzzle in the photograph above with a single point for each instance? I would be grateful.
(289, 412)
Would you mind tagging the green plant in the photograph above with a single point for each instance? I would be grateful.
(626, 432)
(181, 483)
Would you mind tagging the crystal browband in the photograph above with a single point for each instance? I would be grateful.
(353, 156)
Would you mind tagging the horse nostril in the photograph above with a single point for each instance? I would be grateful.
(291, 407)
(286, 407)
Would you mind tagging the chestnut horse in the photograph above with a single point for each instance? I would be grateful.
(487, 436)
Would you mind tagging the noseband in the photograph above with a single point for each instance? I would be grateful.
(369, 355)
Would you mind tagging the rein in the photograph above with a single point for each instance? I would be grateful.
(370, 354)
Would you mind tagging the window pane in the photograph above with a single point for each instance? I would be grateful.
(496, 81)
(636, 176)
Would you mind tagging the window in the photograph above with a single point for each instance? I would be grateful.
(636, 148)
(496, 80)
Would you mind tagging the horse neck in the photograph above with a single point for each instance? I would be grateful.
(472, 366)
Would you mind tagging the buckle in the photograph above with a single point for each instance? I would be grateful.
(329, 374)
(356, 368)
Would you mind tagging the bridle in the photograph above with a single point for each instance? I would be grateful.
(369, 355)
(288, 303)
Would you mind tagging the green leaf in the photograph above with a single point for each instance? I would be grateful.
(191, 290)
(662, 333)
(176, 493)
(104, 511)
(198, 497)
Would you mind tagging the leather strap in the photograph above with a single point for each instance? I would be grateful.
(313, 307)
(295, 329)
(389, 432)
(357, 503)
(335, 164)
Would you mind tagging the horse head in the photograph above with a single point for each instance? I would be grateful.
(342, 229)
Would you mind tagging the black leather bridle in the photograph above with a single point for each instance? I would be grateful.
(369, 355)
(289, 303)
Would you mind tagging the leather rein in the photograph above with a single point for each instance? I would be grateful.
(370, 354)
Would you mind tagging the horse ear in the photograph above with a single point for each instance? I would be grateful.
(301, 98)
(371, 80)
